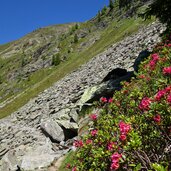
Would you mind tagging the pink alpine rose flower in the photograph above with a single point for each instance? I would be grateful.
(169, 98)
(114, 166)
(155, 57)
(111, 145)
(68, 166)
(94, 132)
(157, 118)
(168, 89)
(93, 117)
(115, 161)
(78, 143)
(115, 157)
(89, 141)
(124, 128)
(167, 70)
(74, 169)
(110, 100)
(160, 94)
(152, 64)
(122, 137)
(103, 99)
(141, 76)
(125, 91)
(145, 104)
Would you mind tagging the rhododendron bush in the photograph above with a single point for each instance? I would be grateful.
(132, 131)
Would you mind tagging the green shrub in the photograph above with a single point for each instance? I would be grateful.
(56, 59)
(75, 38)
(133, 129)
(76, 26)
(103, 12)
(111, 4)
(160, 9)
(99, 16)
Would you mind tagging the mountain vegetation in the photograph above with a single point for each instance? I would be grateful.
(129, 131)
(132, 130)
(32, 64)
(161, 9)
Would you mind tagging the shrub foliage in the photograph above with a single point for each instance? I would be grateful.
(56, 59)
(160, 9)
(132, 130)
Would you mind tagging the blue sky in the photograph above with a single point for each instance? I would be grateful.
(19, 17)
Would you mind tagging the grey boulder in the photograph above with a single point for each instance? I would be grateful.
(9, 162)
(52, 130)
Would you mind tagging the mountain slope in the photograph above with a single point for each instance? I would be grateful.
(56, 61)
(26, 65)
(60, 103)
(132, 130)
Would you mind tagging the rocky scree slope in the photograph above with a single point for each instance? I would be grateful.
(42, 130)
(22, 61)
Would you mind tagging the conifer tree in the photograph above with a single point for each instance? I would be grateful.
(56, 59)
(161, 9)
(99, 16)
(75, 38)
(111, 4)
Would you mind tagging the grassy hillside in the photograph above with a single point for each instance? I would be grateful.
(133, 129)
(26, 66)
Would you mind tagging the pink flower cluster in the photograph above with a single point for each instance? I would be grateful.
(124, 129)
(145, 104)
(74, 169)
(169, 98)
(93, 117)
(141, 76)
(115, 161)
(94, 132)
(104, 100)
(78, 143)
(110, 100)
(168, 89)
(111, 145)
(88, 141)
(157, 118)
(155, 57)
(160, 94)
(167, 70)
(68, 166)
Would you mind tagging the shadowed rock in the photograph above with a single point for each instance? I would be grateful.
(115, 74)
(105, 89)
(141, 57)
